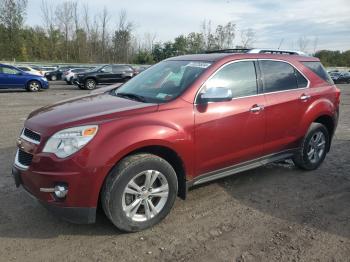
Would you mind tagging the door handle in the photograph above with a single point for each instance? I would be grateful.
(256, 108)
(305, 97)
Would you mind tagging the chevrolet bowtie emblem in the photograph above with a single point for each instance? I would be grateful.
(19, 143)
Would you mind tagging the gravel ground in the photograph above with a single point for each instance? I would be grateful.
(272, 213)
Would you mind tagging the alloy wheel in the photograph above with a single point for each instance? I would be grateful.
(316, 147)
(145, 195)
(34, 86)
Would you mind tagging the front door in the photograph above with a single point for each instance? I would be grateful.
(231, 132)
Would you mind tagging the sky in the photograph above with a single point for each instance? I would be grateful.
(324, 23)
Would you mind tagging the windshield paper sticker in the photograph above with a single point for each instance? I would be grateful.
(198, 64)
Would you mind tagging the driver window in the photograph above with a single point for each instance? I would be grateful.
(240, 77)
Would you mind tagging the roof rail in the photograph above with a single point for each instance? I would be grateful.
(276, 51)
(257, 51)
(231, 50)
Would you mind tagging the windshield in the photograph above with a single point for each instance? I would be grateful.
(162, 82)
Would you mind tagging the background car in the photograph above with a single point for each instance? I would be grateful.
(106, 74)
(12, 77)
(46, 69)
(56, 74)
(69, 75)
(342, 78)
(29, 70)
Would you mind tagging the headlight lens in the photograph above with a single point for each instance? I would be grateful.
(68, 141)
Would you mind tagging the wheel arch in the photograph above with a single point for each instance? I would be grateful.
(30, 80)
(328, 122)
(165, 152)
(322, 111)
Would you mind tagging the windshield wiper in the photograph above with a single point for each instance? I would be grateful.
(131, 96)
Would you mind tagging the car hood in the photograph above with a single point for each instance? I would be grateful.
(89, 109)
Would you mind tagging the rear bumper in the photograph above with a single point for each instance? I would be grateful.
(73, 214)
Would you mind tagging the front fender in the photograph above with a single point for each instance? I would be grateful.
(121, 141)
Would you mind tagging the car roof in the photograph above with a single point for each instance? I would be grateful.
(214, 57)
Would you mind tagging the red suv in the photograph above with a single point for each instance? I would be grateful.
(182, 122)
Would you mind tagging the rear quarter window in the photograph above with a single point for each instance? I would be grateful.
(319, 70)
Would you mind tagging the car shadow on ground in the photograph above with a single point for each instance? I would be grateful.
(318, 199)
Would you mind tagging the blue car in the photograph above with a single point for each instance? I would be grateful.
(12, 77)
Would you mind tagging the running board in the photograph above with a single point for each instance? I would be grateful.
(231, 170)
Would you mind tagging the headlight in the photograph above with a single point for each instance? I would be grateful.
(68, 141)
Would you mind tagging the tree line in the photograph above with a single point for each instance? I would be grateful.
(71, 33)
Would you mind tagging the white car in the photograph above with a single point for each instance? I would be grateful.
(69, 75)
(46, 69)
(29, 69)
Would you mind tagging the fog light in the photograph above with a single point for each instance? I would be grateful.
(61, 191)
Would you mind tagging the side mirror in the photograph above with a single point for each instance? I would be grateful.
(216, 94)
(102, 70)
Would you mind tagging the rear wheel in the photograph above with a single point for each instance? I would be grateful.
(34, 86)
(90, 84)
(313, 148)
(53, 78)
(139, 192)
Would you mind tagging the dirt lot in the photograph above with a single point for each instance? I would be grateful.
(273, 213)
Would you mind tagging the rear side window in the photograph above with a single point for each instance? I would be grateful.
(277, 76)
(319, 70)
(280, 76)
(240, 77)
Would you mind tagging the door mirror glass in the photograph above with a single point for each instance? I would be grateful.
(216, 94)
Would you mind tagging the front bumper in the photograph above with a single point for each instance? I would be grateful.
(79, 215)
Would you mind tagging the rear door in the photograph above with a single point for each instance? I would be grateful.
(105, 75)
(228, 133)
(287, 98)
(119, 72)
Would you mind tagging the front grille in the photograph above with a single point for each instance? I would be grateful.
(24, 158)
(31, 134)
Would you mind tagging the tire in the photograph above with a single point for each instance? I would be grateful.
(70, 82)
(134, 169)
(90, 84)
(34, 86)
(313, 148)
(53, 78)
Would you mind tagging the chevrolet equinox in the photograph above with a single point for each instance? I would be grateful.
(184, 121)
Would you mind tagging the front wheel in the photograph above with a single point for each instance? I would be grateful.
(139, 192)
(313, 148)
(34, 86)
(53, 78)
(90, 84)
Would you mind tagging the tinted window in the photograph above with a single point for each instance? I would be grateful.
(24, 68)
(107, 69)
(277, 76)
(240, 77)
(78, 70)
(119, 68)
(301, 80)
(318, 69)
